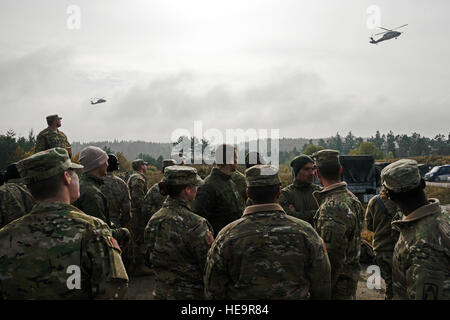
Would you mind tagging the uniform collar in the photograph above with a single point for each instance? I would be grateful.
(171, 201)
(427, 210)
(320, 194)
(96, 180)
(262, 208)
(52, 206)
(139, 173)
(220, 174)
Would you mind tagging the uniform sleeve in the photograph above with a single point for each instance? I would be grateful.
(93, 205)
(320, 270)
(333, 233)
(428, 274)
(40, 143)
(216, 279)
(102, 264)
(125, 205)
(202, 237)
(204, 201)
(284, 203)
(368, 220)
(137, 193)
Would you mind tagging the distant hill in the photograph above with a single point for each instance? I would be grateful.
(131, 149)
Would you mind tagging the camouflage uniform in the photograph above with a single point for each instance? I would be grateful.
(47, 138)
(378, 220)
(137, 183)
(117, 195)
(153, 201)
(421, 264)
(41, 251)
(177, 243)
(267, 254)
(218, 200)
(339, 221)
(15, 201)
(94, 203)
(299, 195)
(241, 184)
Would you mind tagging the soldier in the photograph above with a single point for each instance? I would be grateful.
(177, 239)
(267, 254)
(51, 137)
(57, 251)
(153, 199)
(218, 200)
(117, 195)
(381, 211)
(15, 199)
(338, 221)
(137, 183)
(421, 263)
(297, 199)
(92, 201)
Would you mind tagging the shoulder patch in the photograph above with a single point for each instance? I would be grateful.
(209, 238)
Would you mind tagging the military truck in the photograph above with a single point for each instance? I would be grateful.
(361, 176)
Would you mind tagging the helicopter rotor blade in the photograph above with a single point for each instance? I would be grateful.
(385, 29)
(400, 27)
(377, 34)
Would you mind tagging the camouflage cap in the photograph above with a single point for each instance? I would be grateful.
(137, 163)
(52, 117)
(262, 175)
(45, 164)
(179, 175)
(326, 157)
(401, 176)
(168, 163)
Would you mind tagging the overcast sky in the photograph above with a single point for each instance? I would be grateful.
(304, 67)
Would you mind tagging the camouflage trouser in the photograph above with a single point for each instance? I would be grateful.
(384, 261)
(164, 291)
(344, 289)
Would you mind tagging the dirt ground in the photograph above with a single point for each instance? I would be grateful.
(141, 288)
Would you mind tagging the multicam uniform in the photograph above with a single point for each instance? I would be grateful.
(118, 197)
(177, 243)
(47, 139)
(267, 254)
(15, 202)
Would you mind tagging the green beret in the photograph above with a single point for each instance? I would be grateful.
(298, 162)
(262, 175)
(326, 157)
(401, 176)
(45, 164)
(179, 175)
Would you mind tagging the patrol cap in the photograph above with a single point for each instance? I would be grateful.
(326, 157)
(45, 164)
(179, 175)
(168, 163)
(401, 176)
(262, 175)
(52, 117)
(137, 163)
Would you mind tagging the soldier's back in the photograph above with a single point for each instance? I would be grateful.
(41, 250)
(47, 139)
(267, 255)
(177, 242)
(153, 201)
(118, 197)
(15, 202)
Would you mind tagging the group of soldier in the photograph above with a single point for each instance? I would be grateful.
(229, 236)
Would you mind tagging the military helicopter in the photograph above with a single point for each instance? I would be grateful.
(388, 34)
(98, 100)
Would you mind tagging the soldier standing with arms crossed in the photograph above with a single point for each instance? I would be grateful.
(38, 251)
(297, 199)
